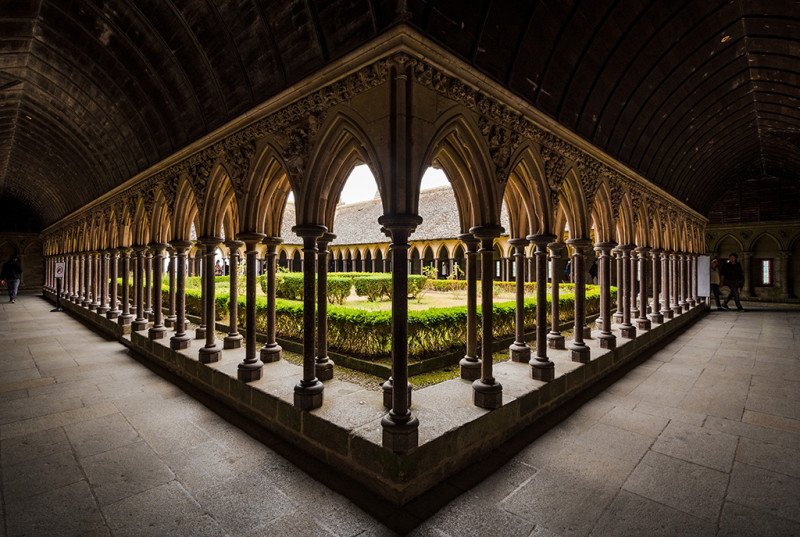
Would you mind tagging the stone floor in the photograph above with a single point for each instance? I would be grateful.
(703, 438)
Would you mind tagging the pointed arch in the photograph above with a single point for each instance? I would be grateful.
(268, 193)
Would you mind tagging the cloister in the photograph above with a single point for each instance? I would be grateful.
(539, 189)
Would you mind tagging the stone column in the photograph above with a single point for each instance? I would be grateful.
(211, 351)
(87, 279)
(555, 340)
(148, 284)
(655, 315)
(470, 364)
(674, 276)
(309, 391)
(627, 330)
(683, 274)
(620, 287)
(747, 289)
(180, 339)
(579, 350)
(643, 323)
(95, 281)
(200, 331)
(519, 350)
(509, 269)
(78, 279)
(323, 366)
(666, 308)
(233, 340)
(400, 426)
(171, 318)
(782, 275)
(125, 317)
(542, 368)
(113, 264)
(158, 330)
(486, 391)
(608, 340)
(251, 367)
(693, 279)
(140, 322)
(103, 308)
(271, 351)
(632, 289)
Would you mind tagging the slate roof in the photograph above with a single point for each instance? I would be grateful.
(357, 223)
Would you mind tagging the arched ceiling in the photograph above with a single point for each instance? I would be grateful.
(694, 95)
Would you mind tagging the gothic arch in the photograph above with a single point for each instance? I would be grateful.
(269, 190)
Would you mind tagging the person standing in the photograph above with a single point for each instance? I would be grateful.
(714, 279)
(593, 272)
(10, 276)
(733, 277)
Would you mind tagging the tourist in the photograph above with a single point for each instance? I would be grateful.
(733, 277)
(714, 278)
(10, 276)
(218, 269)
(593, 271)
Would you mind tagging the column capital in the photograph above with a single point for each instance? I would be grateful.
(181, 245)
(247, 236)
(626, 247)
(518, 242)
(605, 247)
(400, 221)
(580, 245)
(541, 239)
(233, 245)
(642, 250)
(158, 246)
(470, 240)
(309, 231)
(746, 254)
(555, 248)
(784, 254)
(271, 242)
(655, 251)
(139, 248)
(212, 242)
(325, 239)
(486, 232)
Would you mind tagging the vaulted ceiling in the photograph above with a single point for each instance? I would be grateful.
(695, 95)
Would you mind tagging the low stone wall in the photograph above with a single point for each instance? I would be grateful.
(346, 432)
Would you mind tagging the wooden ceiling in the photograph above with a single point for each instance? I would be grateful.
(694, 95)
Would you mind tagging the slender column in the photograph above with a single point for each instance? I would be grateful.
(180, 340)
(87, 279)
(158, 330)
(555, 340)
(308, 393)
(251, 367)
(519, 350)
(70, 278)
(746, 289)
(782, 274)
(608, 340)
(642, 322)
(171, 318)
(486, 391)
(233, 340)
(400, 428)
(633, 294)
(200, 331)
(140, 322)
(125, 317)
(271, 351)
(666, 309)
(692, 280)
(95, 281)
(78, 278)
(148, 284)
(323, 366)
(627, 330)
(655, 315)
(580, 351)
(211, 351)
(674, 276)
(542, 368)
(620, 288)
(470, 364)
(113, 265)
(103, 306)
(684, 273)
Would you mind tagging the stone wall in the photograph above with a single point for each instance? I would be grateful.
(29, 248)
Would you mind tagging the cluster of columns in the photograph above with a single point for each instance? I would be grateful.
(669, 274)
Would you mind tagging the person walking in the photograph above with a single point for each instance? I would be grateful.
(10, 276)
(733, 277)
(714, 279)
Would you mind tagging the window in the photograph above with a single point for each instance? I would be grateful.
(764, 272)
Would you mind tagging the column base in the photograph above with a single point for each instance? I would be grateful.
(580, 353)
(94, 306)
(470, 368)
(684, 306)
(656, 318)
(400, 434)
(139, 324)
(692, 302)
(587, 332)
(179, 342)
(323, 368)
(542, 369)
(488, 396)
(616, 318)
(170, 321)
(249, 372)
(555, 341)
(628, 331)
(677, 310)
(634, 313)
(598, 323)
(200, 332)
(86, 303)
(209, 355)
(112, 314)
(232, 341)
(519, 352)
(125, 319)
(157, 332)
(607, 341)
(102, 310)
(150, 315)
(388, 389)
(643, 324)
(667, 314)
(308, 396)
(270, 352)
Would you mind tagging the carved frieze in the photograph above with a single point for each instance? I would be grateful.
(555, 167)
(502, 143)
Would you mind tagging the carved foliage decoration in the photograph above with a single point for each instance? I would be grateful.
(239, 159)
(615, 193)
(199, 174)
(555, 166)
(502, 143)
(298, 141)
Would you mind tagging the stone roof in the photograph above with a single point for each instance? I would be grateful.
(357, 223)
